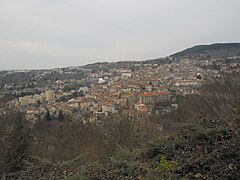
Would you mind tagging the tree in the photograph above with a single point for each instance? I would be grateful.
(38, 103)
(16, 145)
(48, 117)
(199, 76)
(60, 115)
(81, 93)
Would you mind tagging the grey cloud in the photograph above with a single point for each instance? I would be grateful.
(62, 32)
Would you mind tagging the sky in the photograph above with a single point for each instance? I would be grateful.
(58, 33)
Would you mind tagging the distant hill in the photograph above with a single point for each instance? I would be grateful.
(219, 50)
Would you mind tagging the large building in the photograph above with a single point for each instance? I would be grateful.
(154, 97)
(26, 100)
(50, 95)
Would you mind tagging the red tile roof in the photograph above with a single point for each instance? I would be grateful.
(131, 94)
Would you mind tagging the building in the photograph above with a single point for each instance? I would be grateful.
(154, 97)
(108, 108)
(188, 83)
(148, 87)
(126, 74)
(26, 100)
(50, 95)
(141, 107)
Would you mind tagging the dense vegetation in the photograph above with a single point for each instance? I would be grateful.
(199, 140)
(213, 50)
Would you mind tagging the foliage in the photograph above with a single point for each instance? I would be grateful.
(202, 142)
(216, 50)
(164, 164)
(14, 144)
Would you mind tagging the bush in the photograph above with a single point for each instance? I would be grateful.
(15, 145)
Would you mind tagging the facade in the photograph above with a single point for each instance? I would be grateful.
(141, 107)
(148, 87)
(50, 95)
(26, 100)
(109, 108)
(154, 97)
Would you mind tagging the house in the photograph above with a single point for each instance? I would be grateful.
(141, 107)
(148, 87)
(108, 108)
(26, 100)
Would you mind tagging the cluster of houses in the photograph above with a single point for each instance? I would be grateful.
(48, 95)
(149, 89)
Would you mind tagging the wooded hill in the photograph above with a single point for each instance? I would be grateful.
(218, 50)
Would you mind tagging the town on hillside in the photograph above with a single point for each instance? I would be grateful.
(86, 93)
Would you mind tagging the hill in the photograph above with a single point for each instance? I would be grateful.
(218, 50)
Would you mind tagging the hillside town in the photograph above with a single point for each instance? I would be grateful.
(139, 89)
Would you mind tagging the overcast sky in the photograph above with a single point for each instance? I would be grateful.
(58, 33)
